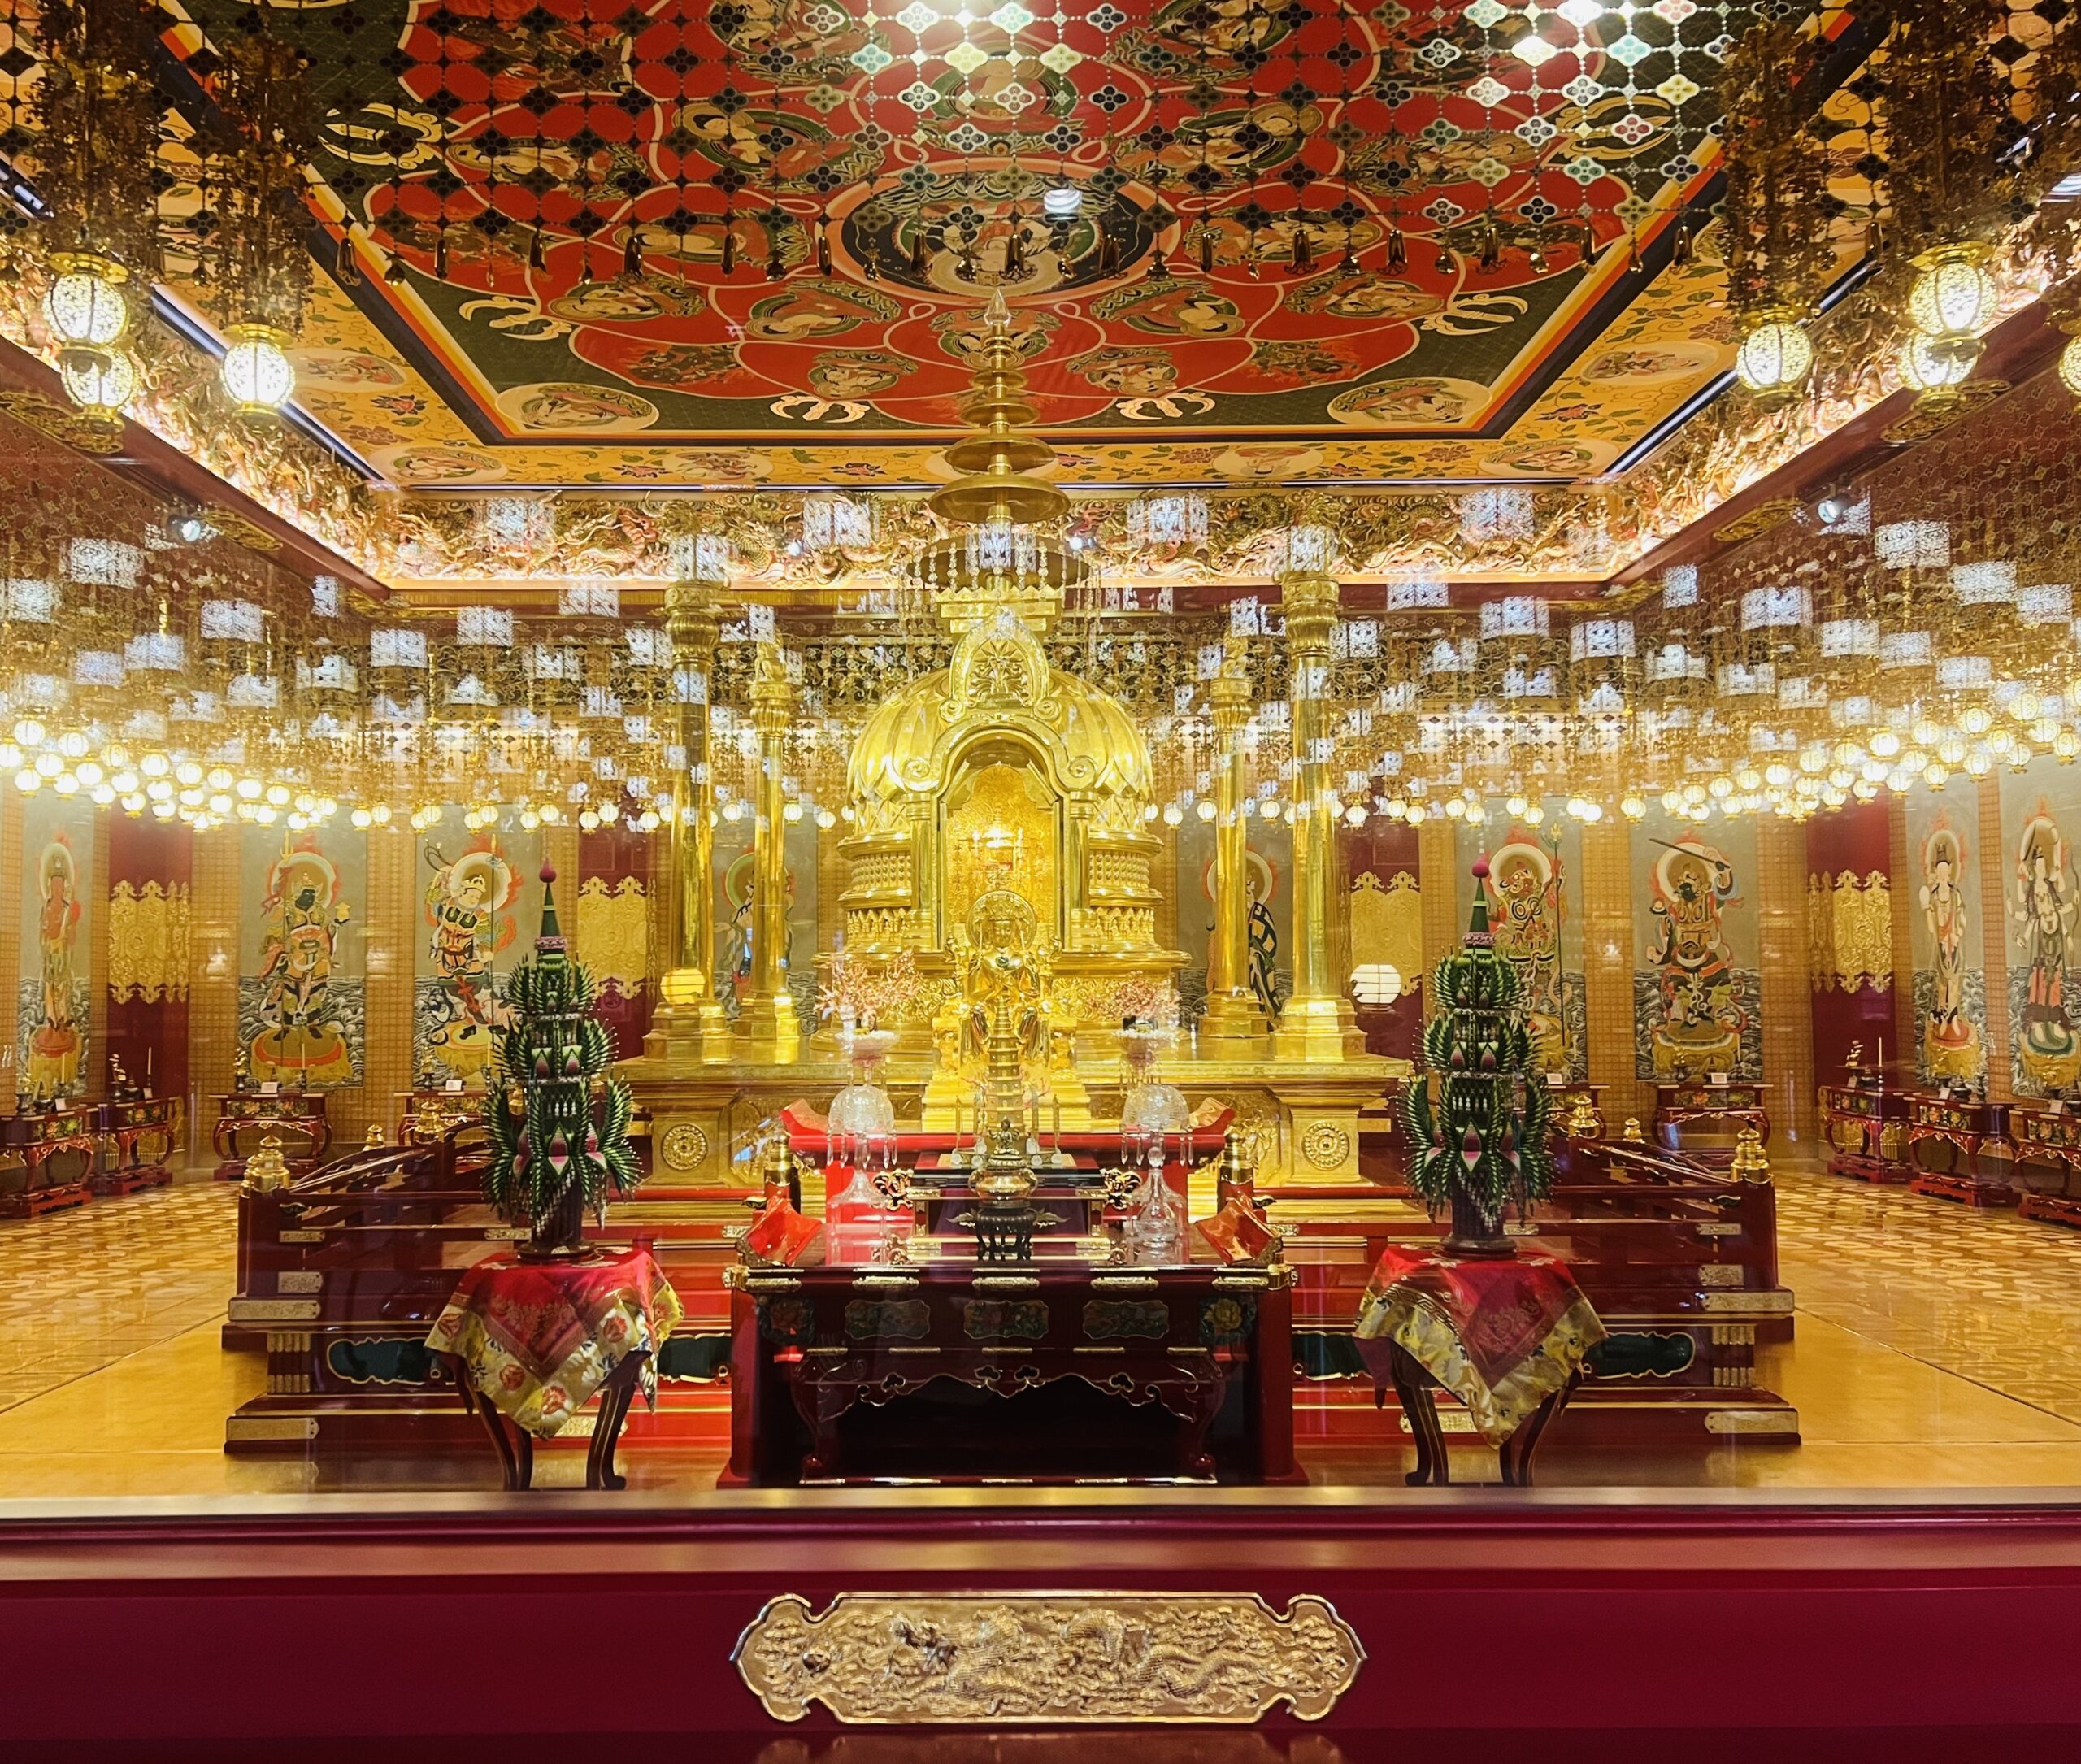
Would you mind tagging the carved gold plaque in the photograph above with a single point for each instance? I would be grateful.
(684, 1147)
(1326, 1145)
(1386, 925)
(1022, 1657)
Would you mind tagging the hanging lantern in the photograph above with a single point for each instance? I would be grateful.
(1775, 358)
(1954, 296)
(1937, 367)
(2069, 365)
(86, 307)
(101, 382)
(256, 370)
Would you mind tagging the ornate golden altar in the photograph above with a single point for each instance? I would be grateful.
(1004, 776)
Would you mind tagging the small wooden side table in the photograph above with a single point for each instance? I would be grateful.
(1509, 1336)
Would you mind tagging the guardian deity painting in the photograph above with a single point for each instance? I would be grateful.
(1701, 1016)
(302, 1039)
(469, 913)
(1524, 884)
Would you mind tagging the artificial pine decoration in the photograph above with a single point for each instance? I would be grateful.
(566, 1148)
(1489, 1148)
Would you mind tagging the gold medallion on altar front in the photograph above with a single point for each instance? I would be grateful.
(1025, 1658)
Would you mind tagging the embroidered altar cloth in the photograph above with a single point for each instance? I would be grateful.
(1502, 1335)
(539, 1339)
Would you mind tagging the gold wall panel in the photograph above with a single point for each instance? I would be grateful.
(1781, 931)
(1054, 1658)
(614, 931)
(1386, 925)
(1849, 931)
(148, 941)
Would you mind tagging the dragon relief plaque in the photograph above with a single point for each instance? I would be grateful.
(1052, 1658)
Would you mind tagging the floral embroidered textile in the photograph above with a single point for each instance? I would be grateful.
(539, 1339)
(1501, 1336)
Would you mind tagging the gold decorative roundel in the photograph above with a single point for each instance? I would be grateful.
(1326, 1145)
(684, 1147)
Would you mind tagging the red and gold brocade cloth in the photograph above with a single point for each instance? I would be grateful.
(538, 1338)
(1501, 1336)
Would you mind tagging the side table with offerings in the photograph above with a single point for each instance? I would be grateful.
(1706, 1115)
(58, 1148)
(297, 1118)
(1865, 1127)
(1953, 1137)
(2047, 1138)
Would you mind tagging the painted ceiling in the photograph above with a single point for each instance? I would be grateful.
(672, 242)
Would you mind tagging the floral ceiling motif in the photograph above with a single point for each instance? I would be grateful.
(746, 243)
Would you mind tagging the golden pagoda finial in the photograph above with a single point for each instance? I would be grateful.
(998, 556)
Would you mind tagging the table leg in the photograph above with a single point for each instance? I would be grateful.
(516, 1449)
(1412, 1388)
(615, 1395)
(1515, 1456)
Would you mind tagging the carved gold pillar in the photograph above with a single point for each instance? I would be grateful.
(1318, 1021)
(1234, 1025)
(690, 1022)
(767, 1019)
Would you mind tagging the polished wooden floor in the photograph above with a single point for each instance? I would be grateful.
(1935, 1347)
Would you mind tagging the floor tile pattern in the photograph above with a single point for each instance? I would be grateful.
(1991, 1298)
(83, 1288)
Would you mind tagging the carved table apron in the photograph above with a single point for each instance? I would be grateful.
(815, 1345)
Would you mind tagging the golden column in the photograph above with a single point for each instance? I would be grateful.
(1317, 1023)
(767, 1019)
(690, 1023)
(1235, 1026)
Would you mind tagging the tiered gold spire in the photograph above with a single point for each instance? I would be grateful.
(999, 554)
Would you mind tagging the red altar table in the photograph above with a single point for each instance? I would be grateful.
(1507, 1336)
(58, 1148)
(1702, 1115)
(129, 1130)
(1859, 1122)
(1960, 1131)
(1063, 1368)
(425, 1116)
(531, 1343)
(2046, 1137)
(253, 1114)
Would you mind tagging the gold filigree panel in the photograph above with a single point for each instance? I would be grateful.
(1849, 931)
(1031, 1657)
(1387, 925)
(148, 932)
(614, 931)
